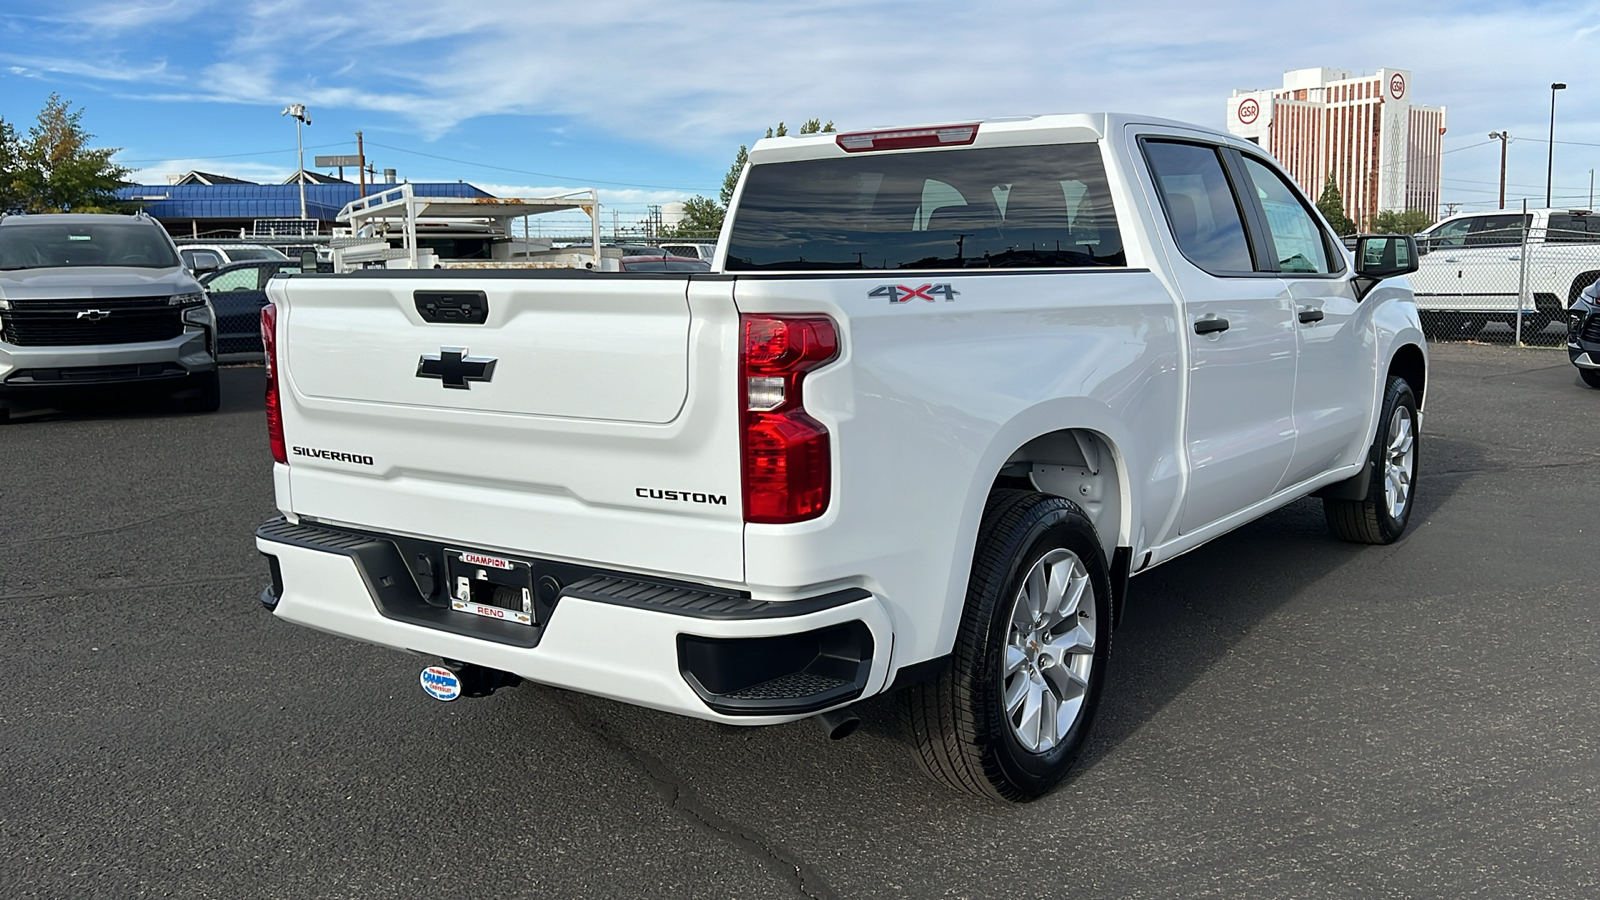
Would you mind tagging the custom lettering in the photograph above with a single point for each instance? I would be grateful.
(684, 496)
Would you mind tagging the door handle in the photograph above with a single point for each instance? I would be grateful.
(1451, 259)
(1210, 324)
(1307, 316)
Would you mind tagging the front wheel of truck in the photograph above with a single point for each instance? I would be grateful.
(1381, 516)
(1009, 716)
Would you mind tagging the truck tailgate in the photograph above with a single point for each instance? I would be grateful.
(585, 413)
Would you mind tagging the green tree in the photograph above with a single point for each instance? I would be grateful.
(731, 180)
(55, 169)
(1332, 205)
(702, 218)
(1401, 221)
(11, 192)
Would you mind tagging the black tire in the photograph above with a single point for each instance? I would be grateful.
(1591, 377)
(206, 393)
(1370, 520)
(959, 728)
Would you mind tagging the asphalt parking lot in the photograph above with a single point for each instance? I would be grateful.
(1287, 716)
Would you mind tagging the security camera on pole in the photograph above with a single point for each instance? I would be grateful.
(301, 117)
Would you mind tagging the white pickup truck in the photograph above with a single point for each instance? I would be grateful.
(1473, 270)
(945, 390)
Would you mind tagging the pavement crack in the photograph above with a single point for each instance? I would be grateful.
(804, 877)
(1490, 470)
(79, 590)
(113, 529)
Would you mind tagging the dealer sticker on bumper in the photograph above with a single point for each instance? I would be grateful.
(441, 683)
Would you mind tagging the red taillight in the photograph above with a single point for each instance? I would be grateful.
(269, 345)
(787, 465)
(907, 138)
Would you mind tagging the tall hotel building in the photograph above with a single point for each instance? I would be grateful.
(1381, 149)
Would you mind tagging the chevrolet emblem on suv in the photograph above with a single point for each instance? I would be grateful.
(455, 368)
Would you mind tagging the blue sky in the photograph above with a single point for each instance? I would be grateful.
(649, 101)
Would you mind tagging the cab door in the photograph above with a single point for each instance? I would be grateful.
(1335, 381)
(1240, 327)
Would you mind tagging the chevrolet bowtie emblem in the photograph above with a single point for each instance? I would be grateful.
(94, 315)
(455, 368)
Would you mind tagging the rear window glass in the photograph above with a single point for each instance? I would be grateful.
(243, 254)
(58, 245)
(1565, 228)
(1001, 208)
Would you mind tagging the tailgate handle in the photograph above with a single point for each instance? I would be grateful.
(453, 307)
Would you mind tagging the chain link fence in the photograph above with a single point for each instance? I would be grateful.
(1505, 279)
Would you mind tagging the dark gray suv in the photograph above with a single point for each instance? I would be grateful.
(92, 305)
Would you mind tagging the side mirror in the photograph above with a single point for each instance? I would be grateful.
(308, 260)
(1380, 256)
(206, 263)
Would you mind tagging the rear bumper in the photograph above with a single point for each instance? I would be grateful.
(703, 653)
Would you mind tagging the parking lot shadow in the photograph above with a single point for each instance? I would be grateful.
(243, 389)
(1186, 615)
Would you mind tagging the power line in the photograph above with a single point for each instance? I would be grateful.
(238, 155)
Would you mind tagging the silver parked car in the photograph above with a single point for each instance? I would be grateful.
(96, 304)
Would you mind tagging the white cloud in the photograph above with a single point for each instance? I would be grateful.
(699, 75)
(632, 200)
(261, 173)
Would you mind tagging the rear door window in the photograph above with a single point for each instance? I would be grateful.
(1497, 231)
(1200, 206)
(999, 208)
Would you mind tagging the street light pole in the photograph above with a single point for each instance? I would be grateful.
(1502, 137)
(1550, 164)
(301, 117)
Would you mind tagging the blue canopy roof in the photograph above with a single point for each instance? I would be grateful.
(265, 201)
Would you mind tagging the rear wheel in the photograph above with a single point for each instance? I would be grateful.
(1009, 716)
(1381, 517)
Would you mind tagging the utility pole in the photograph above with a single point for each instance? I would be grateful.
(1550, 165)
(1502, 137)
(361, 168)
(301, 117)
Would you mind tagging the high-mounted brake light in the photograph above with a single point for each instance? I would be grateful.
(906, 138)
(787, 466)
(269, 344)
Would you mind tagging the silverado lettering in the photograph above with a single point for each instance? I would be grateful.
(333, 455)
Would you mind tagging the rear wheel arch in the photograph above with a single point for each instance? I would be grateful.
(1084, 466)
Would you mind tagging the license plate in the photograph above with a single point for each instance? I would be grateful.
(490, 586)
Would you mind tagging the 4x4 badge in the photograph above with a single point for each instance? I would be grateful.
(455, 368)
(900, 293)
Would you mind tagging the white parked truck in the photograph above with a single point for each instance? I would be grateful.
(945, 390)
(1473, 271)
